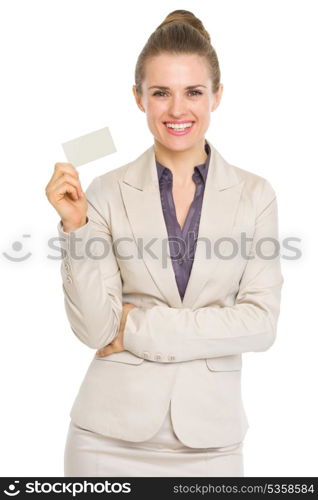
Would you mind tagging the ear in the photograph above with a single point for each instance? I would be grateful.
(217, 97)
(137, 98)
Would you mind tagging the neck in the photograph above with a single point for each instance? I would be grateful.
(181, 163)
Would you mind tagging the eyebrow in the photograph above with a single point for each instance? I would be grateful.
(167, 88)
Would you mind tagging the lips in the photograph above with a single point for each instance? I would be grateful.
(175, 122)
(184, 131)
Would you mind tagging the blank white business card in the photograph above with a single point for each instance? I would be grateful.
(89, 147)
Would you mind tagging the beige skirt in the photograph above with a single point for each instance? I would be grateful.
(94, 455)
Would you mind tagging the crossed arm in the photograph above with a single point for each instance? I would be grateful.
(93, 298)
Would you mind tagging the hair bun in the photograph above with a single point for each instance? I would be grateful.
(185, 17)
(181, 32)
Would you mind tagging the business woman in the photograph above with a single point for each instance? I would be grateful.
(172, 276)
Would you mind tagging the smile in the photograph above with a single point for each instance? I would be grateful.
(179, 128)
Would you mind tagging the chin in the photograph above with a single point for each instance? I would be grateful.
(179, 143)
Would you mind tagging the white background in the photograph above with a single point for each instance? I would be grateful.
(67, 69)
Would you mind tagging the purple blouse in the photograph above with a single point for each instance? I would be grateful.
(182, 243)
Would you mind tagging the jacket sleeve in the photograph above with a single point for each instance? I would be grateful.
(91, 278)
(167, 334)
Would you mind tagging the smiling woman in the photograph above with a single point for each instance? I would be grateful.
(162, 395)
(181, 108)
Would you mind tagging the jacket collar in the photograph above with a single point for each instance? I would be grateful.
(202, 169)
(142, 173)
(141, 197)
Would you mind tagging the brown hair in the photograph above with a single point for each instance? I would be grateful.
(181, 32)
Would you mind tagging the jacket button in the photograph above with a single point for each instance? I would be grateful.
(171, 357)
(146, 354)
(157, 356)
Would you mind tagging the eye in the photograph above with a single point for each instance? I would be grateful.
(159, 92)
(197, 92)
(193, 93)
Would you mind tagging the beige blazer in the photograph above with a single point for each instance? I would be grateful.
(190, 352)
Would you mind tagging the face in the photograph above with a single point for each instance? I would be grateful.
(167, 101)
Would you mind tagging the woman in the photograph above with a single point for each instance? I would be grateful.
(162, 395)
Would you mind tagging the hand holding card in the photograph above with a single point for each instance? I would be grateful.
(64, 190)
(65, 193)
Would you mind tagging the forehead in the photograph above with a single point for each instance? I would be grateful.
(176, 69)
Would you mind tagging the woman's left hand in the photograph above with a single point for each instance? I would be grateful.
(117, 345)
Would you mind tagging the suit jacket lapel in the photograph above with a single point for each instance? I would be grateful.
(141, 197)
(219, 206)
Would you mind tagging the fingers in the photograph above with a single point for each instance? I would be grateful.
(64, 168)
(66, 183)
(66, 188)
(60, 169)
(68, 179)
(109, 349)
(104, 351)
(127, 307)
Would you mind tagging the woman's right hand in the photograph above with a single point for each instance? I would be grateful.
(64, 192)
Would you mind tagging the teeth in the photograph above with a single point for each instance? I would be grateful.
(179, 126)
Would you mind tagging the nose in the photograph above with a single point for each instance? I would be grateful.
(177, 106)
